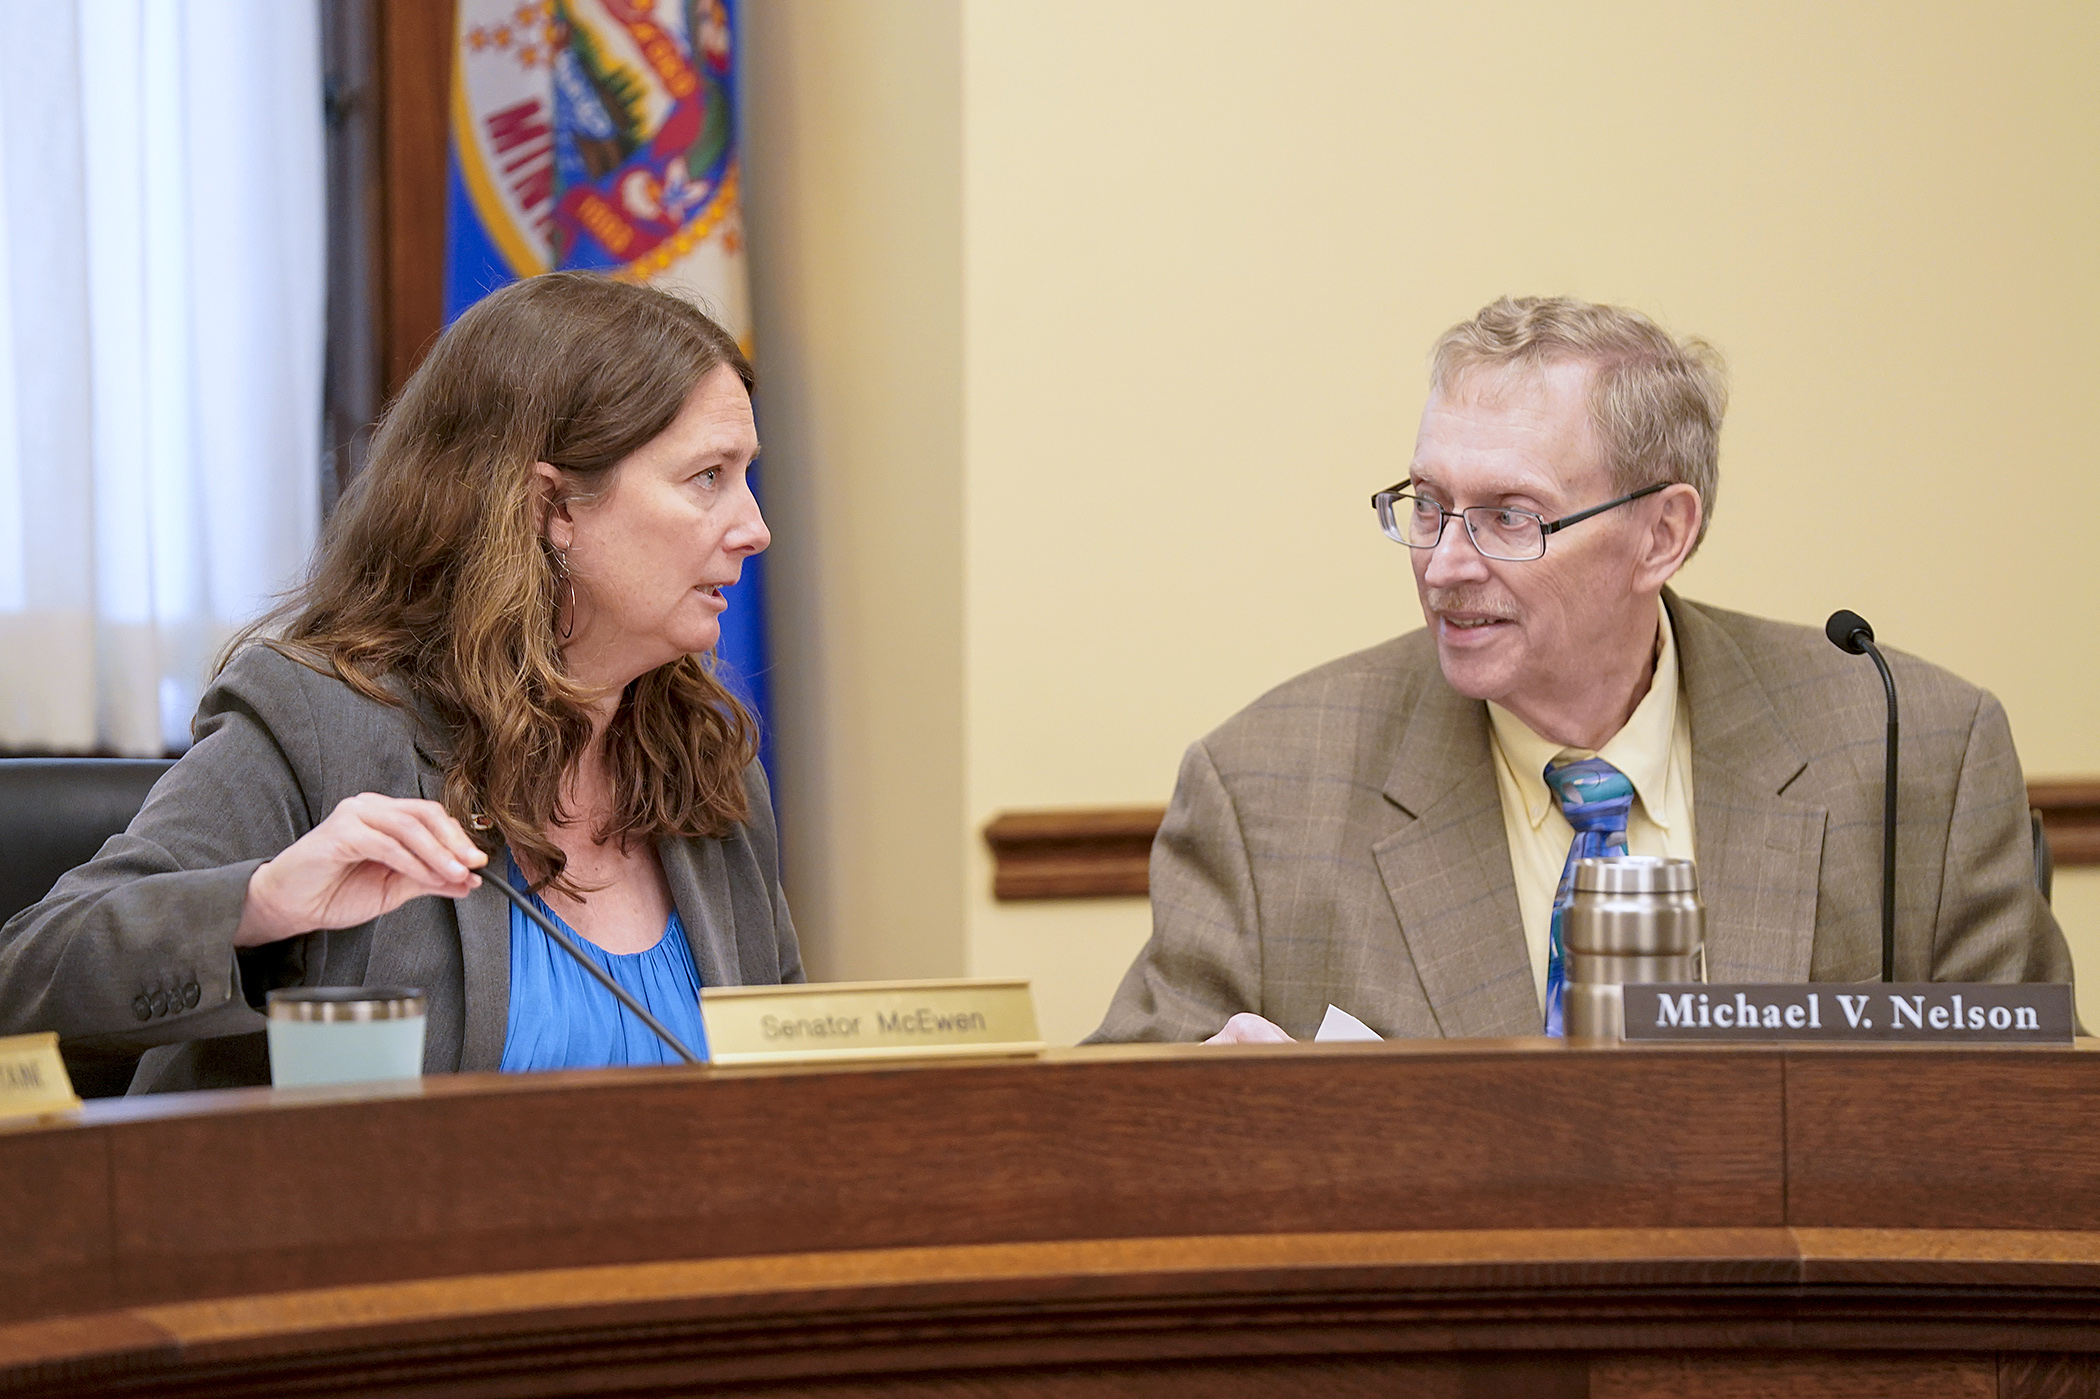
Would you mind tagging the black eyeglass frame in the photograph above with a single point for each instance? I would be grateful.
(1382, 502)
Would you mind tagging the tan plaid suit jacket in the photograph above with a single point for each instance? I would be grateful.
(1340, 840)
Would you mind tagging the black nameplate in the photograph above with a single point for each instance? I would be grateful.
(1855, 1012)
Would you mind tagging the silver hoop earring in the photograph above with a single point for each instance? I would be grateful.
(561, 562)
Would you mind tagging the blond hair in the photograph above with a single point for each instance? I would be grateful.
(433, 579)
(1656, 403)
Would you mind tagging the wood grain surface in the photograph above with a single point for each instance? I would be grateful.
(1944, 1140)
(2048, 1376)
(1810, 1375)
(1518, 1217)
(576, 1170)
(56, 1249)
(1641, 1312)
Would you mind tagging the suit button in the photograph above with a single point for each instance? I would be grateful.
(159, 1001)
(189, 995)
(142, 1008)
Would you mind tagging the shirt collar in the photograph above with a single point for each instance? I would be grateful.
(1641, 749)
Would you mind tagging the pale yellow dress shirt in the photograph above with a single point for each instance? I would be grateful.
(1654, 750)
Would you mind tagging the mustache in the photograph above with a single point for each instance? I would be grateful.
(1477, 601)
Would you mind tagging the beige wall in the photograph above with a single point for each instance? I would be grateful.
(1203, 248)
(855, 216)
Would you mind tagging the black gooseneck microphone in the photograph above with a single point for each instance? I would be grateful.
(1848, 631)
(568, 945)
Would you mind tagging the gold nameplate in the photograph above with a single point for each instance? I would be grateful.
(33, 1079)
(868, 1020)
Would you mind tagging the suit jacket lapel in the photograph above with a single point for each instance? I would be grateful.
(484, 953)
(692, 868)
(484, 945)
(1760, 850)
(483, 917)
(1448, 872)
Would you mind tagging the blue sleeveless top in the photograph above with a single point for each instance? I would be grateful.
(561, 1018)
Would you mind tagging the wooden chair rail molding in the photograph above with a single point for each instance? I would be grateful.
(1102, 853)
(1072, 854)
(2070, 808)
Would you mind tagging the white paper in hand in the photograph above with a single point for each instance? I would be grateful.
(1339, 1024)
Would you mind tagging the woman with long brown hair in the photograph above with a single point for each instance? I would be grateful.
(500, 654)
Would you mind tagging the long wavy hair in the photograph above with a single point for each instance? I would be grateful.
(434, 581)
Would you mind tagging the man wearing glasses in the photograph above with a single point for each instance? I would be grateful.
(1392, 833)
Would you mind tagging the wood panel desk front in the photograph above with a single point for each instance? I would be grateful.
(1461, 1218)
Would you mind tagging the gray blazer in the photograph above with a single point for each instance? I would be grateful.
(134, 950)
(1341, 840)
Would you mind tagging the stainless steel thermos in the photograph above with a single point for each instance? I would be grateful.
(1631, 918)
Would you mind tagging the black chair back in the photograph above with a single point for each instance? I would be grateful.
(55, 813)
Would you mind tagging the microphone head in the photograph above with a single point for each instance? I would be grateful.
(1848, 631)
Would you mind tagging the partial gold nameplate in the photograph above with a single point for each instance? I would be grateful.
(868, 1020)
(33, 1079)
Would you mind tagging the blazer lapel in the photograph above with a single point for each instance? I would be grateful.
(484, 945)
(692, 868)
(1448, 872)
(484, 953)
(1760, 850)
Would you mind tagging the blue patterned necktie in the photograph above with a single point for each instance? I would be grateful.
(1596, 798)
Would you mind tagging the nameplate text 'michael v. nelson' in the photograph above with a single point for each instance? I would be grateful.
(1944, 1013)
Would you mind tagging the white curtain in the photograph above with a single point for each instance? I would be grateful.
(161, 342)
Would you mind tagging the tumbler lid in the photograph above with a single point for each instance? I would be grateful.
(345, 1003)
(1636, 874)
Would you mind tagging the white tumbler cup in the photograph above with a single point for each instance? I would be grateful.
(345, 1034)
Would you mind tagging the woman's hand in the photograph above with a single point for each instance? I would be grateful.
(372, 855)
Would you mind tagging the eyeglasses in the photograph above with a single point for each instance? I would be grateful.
(1497, 531)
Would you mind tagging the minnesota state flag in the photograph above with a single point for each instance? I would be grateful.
(602, 134)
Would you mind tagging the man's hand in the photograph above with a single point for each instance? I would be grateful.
(1249, 1028)
(372, 855)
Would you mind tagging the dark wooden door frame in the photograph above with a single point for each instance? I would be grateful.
(387, 69)
(416, 56)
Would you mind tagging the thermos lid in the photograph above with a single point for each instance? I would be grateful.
(345, 1003)
(1636, 874)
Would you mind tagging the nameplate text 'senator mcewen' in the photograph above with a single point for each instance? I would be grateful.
(843, 1020)
(1944, 1013)
(33, 1078)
